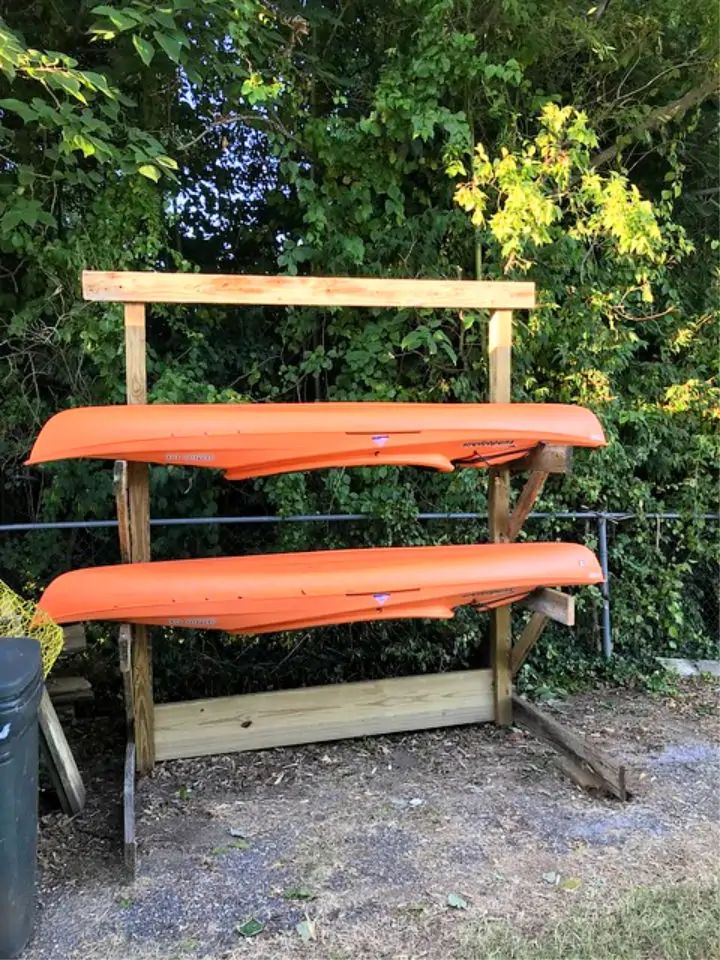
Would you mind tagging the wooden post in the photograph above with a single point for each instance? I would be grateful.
(139, 518)
(499, 354)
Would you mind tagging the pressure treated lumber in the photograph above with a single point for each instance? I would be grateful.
(525, 502)
(60, 760)
(129, 835)
(148, 287)
(555, 604)
(138, 500)
(500, 359)
(548, 458)
(573, 744)
(314, 714)
(528, 638)
(73, 638)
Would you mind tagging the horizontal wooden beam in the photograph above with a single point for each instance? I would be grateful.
(147, 287)
(255, 721)
(574, 746)
(546, 458)
(555, 604)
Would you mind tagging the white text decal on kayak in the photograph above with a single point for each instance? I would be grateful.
(192, 457)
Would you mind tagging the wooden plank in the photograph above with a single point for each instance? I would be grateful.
(73, 638)
(525, 502)
(527, 639)
(554, 604)
(120, 485)
(546, 457)
(139, 522)
(572, 744)
(314, 714)
(129, 835)
(60, 760)
(125, 636)
(148, 287)
(500, 359)
(69, 689)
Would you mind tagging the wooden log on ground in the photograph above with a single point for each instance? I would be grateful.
(255, 721)
(59, 758)
(554, 604)
(572, 745)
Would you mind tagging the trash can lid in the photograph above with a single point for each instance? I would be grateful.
(20, 664)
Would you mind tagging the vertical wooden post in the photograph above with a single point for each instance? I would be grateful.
(499, 353)
(139, 511)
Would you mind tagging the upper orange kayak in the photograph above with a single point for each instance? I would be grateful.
(260, 594)
(254, 440)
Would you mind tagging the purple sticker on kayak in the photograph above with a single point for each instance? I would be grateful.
(380, 439)
(381, 597)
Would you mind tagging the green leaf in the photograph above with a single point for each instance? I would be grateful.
(170, 45)
(123, 20)
(22, 109)
(457, 902)
(145, 50)
(250, 927)
(150, 171)
(299, 893)
(571, 883)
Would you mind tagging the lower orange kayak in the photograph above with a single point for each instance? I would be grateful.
(254, 440)
(261, 594)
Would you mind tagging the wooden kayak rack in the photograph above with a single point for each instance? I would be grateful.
(277, 718)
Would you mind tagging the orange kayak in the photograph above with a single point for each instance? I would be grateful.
(254, 440)
(260, 594)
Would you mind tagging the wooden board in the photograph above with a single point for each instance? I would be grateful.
(500, 358)
(546, 458)
(525, 502)
(527, 640)
(148, 287)
(60, 760)
(63, 690)
(314, 714)
(574, 745)
(73, 638)
(129, 836)
(138, 503)
(555, 604)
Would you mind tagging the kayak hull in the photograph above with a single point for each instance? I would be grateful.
(262, 594)
(253, 440)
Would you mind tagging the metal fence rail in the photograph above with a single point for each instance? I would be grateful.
(601, 518)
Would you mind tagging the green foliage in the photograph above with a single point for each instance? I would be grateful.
(432, 138)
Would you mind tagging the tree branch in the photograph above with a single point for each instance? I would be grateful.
(658, 118)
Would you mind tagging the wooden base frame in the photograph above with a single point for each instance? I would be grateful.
(321, 713)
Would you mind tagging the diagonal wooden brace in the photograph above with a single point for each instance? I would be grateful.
(528, 638)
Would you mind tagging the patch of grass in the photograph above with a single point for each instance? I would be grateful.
(679, 922)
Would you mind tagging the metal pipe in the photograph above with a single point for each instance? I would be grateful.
(335, 518)
(607, 643)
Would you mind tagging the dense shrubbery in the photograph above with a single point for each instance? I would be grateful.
(436, 138)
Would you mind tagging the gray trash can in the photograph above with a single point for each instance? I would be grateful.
(21, 684)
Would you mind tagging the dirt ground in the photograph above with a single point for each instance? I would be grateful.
(361, 848)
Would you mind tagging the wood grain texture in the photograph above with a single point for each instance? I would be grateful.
(148, 287)
(547, 457)
(258, 720)
(138, 505)
(573, 744)
(60, 760)
(129, 835)
(555, 604)
(528, 638)
(525, 502)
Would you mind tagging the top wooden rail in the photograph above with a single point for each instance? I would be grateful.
(148, 287)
